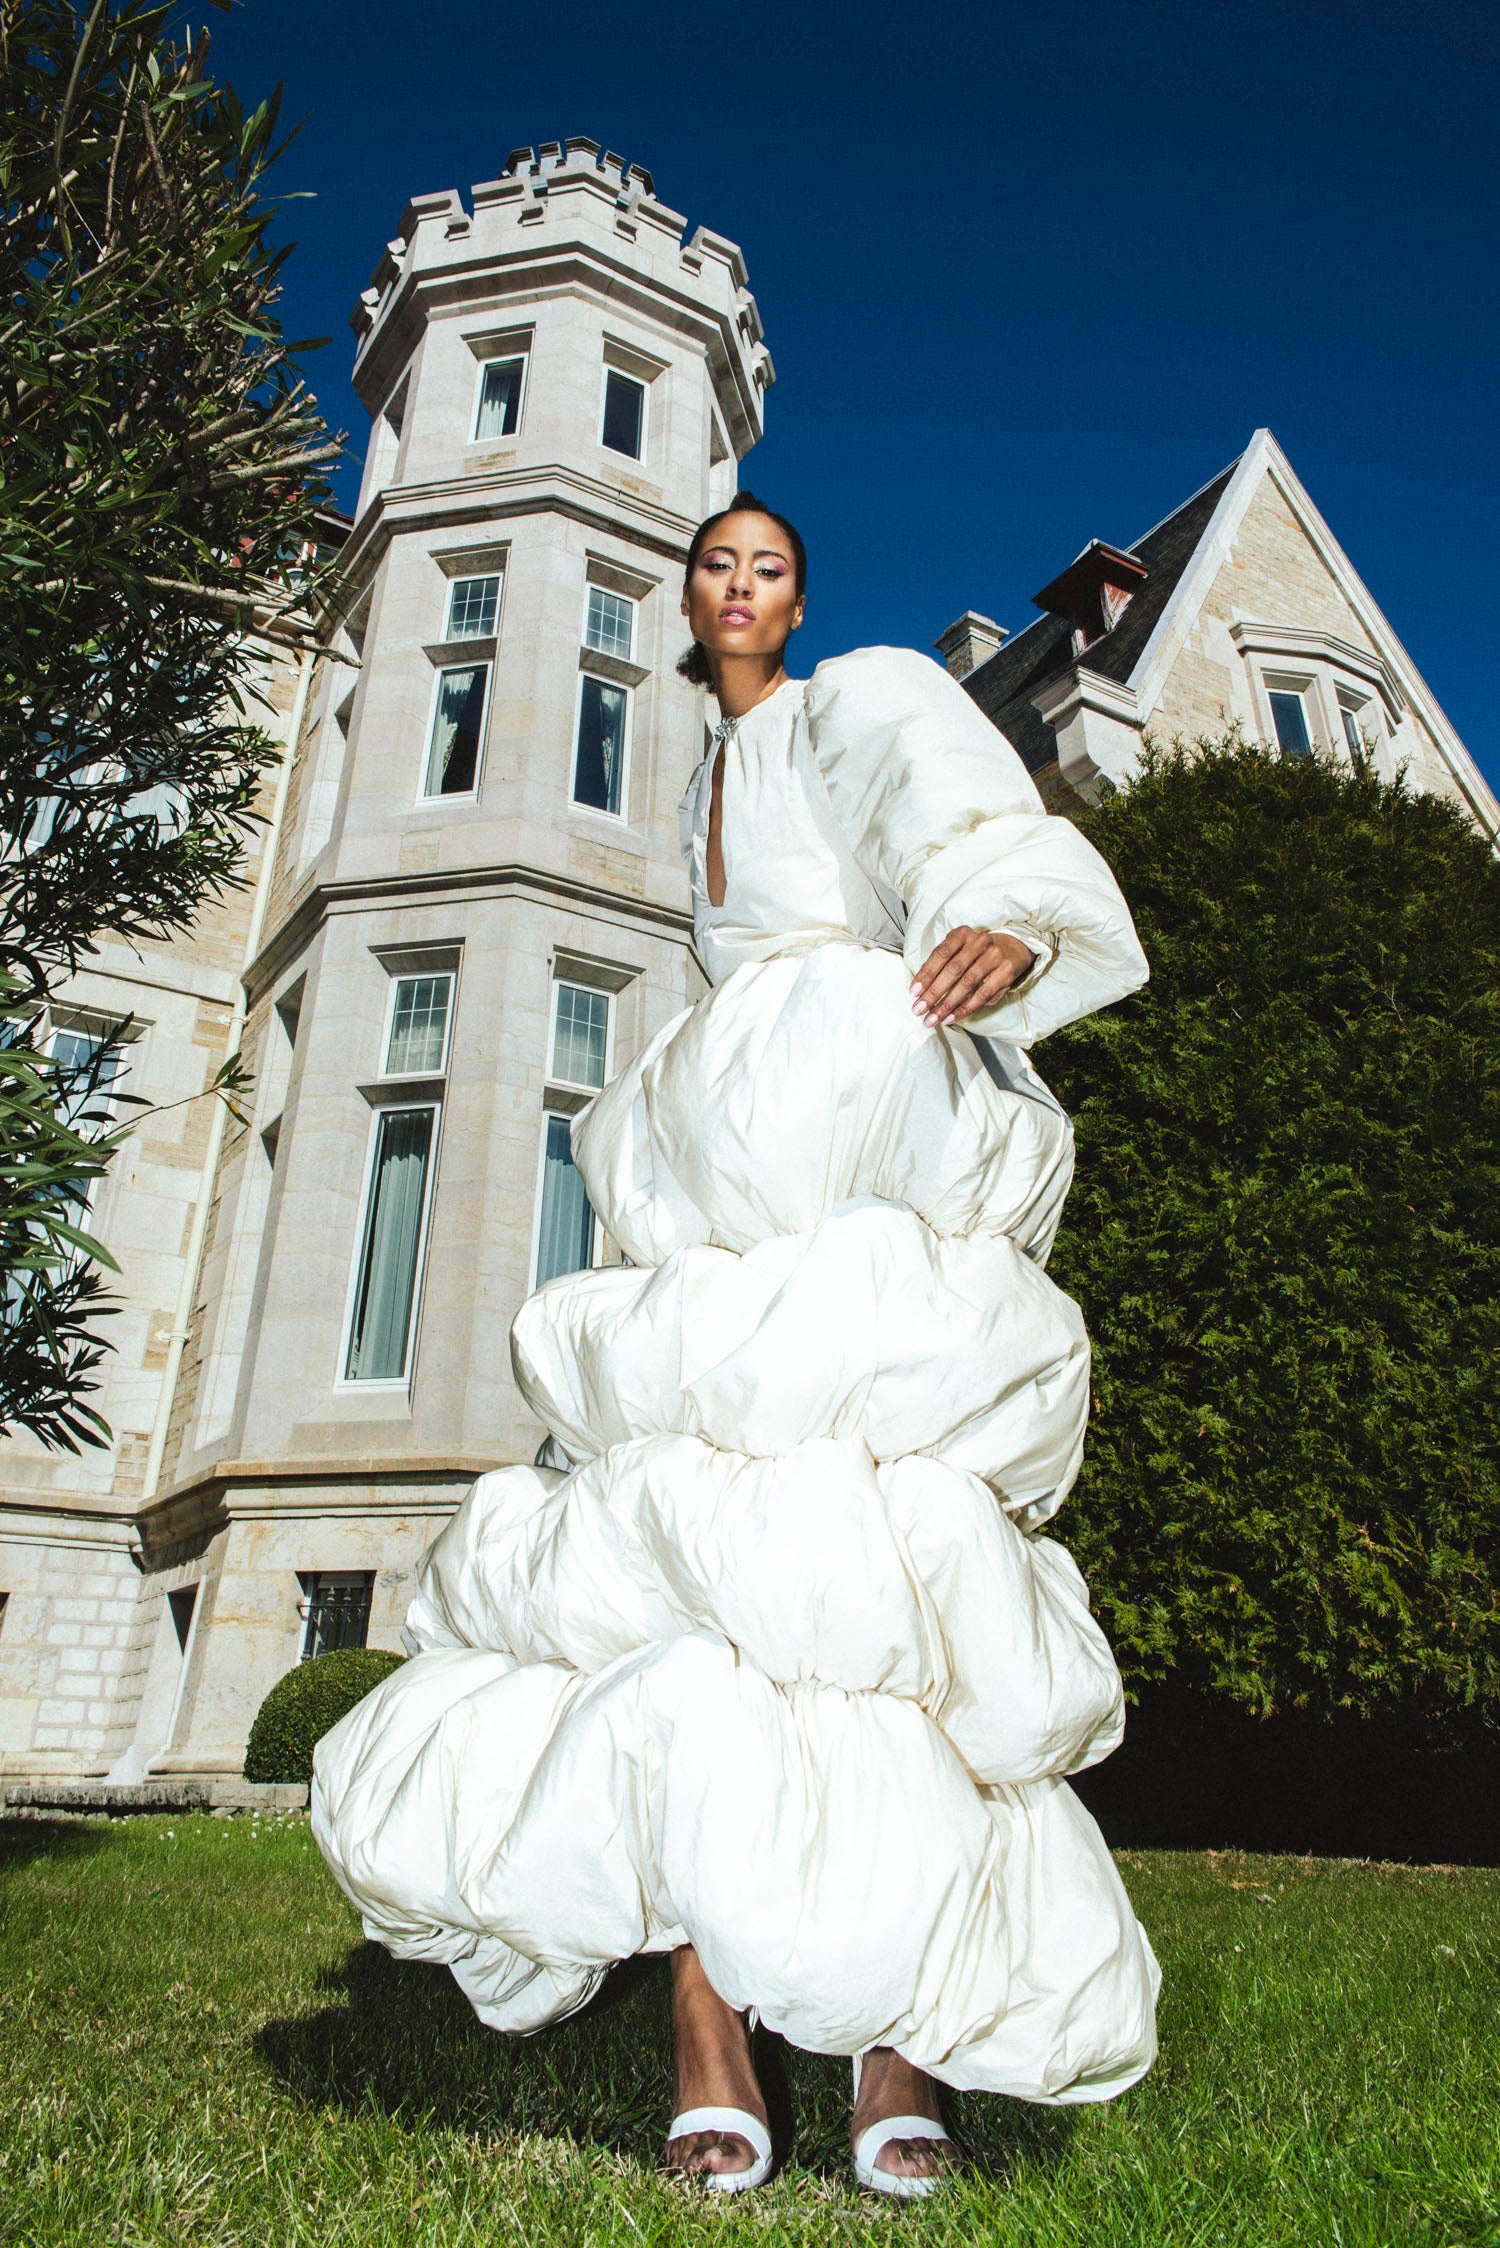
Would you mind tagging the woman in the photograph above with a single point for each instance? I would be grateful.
(768, 1669)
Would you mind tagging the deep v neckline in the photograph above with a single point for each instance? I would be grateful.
(724, 734)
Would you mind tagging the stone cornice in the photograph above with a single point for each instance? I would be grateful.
(1086, 690)
(536, 268)
(311, 911)
(1295, 643)
(245, 1490)
(546, 488)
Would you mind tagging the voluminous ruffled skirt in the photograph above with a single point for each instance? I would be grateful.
(781, 1667)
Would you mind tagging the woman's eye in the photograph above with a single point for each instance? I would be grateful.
(773, 573)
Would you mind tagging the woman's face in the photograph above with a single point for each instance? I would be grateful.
(742, 598)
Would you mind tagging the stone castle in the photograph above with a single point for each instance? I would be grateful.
(466, 908)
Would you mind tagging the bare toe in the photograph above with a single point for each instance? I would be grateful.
(720, 2152)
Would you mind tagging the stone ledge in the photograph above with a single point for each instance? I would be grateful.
(123, 1799)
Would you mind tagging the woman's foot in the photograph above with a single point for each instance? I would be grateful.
(888, 2086)
(711, 2067)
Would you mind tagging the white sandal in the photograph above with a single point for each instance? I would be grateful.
(744, 2126)
(879, 2135)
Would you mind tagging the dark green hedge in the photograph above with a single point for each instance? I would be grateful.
(1284, 1237)
(305, 1705)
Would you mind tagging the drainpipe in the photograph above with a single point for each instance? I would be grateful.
(193, 1262)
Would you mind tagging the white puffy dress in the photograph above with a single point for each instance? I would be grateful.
(780, 1665)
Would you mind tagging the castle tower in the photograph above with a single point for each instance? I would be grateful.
(478, 909)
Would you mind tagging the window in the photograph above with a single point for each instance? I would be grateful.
(85, 1106)
(1289, 716)
(471, 608)
(499, 399)
(580, 1035)
(457, 726)
(565, 1232)
(1355, 732)
(609, 624)
(599, 759)
(337, 1609)
(391, 1244)
(419, 1026)
(180, 1606)
(624, 413)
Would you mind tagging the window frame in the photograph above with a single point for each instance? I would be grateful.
(597, 991)
(390, 1384)
(608, 593)
(473, 577)
(602, 811)
(1305, 692)
(1364, 718)
(389, 1076)
(596, 1239)
(622, 374)
(522, 359)
(456, 795)
(311, 1582)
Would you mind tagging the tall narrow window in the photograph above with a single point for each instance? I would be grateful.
(1354, 733)
(609, 623)
(419, 1026)
(565, 1235)
(599, 761)
(457, 719)
(338, 1609)
(391, 1246)
(1289, 716)
(499, 399)
(86, 1107)
(471, 608)
(580, 1035)
(624, 413)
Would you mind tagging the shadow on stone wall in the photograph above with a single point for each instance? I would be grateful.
(1191, 1776)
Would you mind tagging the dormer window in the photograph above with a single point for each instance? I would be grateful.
(1093, 593)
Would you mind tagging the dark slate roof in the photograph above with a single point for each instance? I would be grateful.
(1005, 686)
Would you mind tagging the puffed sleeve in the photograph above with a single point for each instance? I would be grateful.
(939, 809)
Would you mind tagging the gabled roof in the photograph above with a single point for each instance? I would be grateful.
(1184, 554)
(1005, 685)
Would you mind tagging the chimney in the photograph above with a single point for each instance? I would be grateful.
(1093, 593)
(969, 643)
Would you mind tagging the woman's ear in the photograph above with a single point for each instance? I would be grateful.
(684, 609)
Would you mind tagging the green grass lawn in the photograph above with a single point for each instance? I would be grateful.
(197, 2047)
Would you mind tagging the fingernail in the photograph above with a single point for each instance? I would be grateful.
(930, 1017)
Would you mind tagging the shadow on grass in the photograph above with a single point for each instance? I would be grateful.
(404, 2041)
(23, 1841)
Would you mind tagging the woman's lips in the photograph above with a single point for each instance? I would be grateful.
(736, 616)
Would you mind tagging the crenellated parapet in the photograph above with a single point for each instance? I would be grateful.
(566, 214)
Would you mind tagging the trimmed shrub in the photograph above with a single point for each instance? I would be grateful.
(308, 1703)
(1285, 1236)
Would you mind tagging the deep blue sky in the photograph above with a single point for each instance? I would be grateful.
(1029, 276)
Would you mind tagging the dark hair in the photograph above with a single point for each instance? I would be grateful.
(693, 663)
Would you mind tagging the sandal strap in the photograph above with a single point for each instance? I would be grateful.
(891, 2127)
(743, 2125)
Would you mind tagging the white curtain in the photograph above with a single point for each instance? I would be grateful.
(393, 1228)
